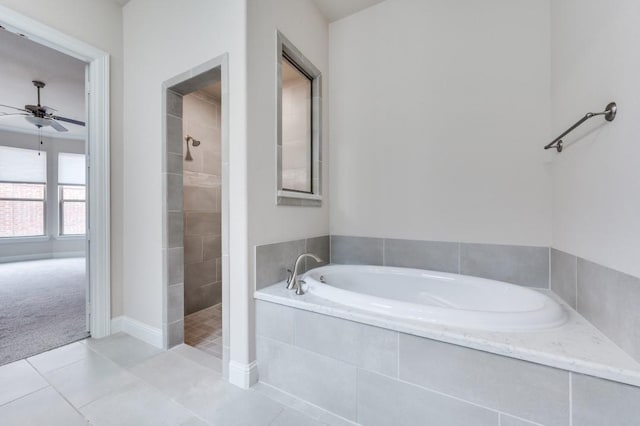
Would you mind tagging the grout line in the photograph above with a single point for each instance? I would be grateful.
(384, 244)
(570, 398)
(27, 394)
(357, 417)
(76, 409)
(397, 355)
(576, 284)
(549, 270)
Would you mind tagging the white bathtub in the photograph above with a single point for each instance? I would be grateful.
(436, 297)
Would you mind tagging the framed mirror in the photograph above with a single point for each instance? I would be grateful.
(298, 127)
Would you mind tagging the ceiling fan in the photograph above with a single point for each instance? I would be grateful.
(40, 115)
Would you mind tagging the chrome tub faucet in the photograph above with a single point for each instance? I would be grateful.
(292, 281)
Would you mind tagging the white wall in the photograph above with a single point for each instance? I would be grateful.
(98, 23)
(303, 24)
(596, 180)
(163, 39)
(439, 111)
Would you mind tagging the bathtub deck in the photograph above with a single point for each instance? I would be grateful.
(576, 346)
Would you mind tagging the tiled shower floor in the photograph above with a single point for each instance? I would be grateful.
(203, 330)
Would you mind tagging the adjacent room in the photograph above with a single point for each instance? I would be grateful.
(43, 280)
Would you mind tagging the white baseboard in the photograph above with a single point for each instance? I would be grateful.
(66, 254)
(41, 256)
(243, 375)
(137, 329)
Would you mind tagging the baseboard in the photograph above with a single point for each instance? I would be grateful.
(41, 256)
(243, 375)
(67, 254)
(137, 329)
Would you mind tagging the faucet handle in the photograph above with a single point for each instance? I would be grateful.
(289, 276)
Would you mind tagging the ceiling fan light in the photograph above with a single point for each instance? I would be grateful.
(38, 121)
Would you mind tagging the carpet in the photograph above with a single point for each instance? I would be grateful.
(42, 306)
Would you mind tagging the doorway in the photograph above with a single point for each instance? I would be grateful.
(50, 214)
(195, 241)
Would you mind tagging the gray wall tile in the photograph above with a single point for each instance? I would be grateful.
(520, 388)
(175, 302)
(197, 82)
(174, 333)
(528, 266)
(200, 297)
(384, 401)
(611, 301)
(197, 198)
(174, 104)
(175, 225)
(598, 402)
(563, 276)
(273, 260)
(212, 247)
(174, 135)
(175, 265)
(432, 255)
(320, 246)
(329, 383)
(202, 223)
(356, 250)
(198, 274)
(371, 348)
(274, 321)
(174, 163)
(192, 249)
(174, 192)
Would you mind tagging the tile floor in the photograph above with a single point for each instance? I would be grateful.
(203, 330)
(122, 381)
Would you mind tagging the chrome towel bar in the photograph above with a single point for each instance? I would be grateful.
(609, 114)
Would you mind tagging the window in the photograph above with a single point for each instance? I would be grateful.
(23, 177)
(299, 118)
(72, 193)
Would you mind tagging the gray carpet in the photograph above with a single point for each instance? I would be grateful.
(42, 306)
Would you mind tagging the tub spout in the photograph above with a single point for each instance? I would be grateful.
(293, 282)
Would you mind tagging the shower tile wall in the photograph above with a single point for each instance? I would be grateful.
(202, 201)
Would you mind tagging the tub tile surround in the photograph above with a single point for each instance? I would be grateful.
(527, 266)
(525, 389)
(522, 265)
(519, 378)
(607, 298)
(435, 383)
(273, 260)
(576, 346)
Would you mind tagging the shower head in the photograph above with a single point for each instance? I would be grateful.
(194, 143)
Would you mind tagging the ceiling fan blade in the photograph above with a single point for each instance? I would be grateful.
(12, 107)
(16, 114)
(69, 120)
(59, 127)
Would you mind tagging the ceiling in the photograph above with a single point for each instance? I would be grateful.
(22, 61)
(334, 10)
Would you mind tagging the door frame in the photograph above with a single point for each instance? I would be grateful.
(172, 220)
(97, 154)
